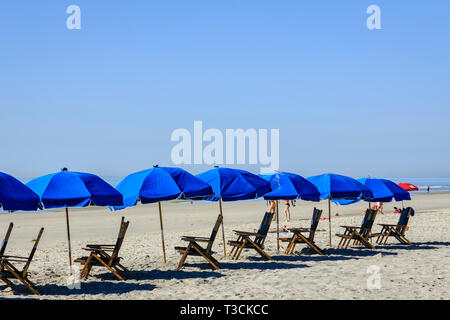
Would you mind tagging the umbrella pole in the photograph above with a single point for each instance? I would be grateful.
(223, 230)
(68, 241)
(162, 233)
(329, 219)
(278, 231)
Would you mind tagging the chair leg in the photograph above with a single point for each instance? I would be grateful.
(8, 283)
(122, 267)
(291, 245)
(208, 258)
(234, 249)
(108, 267)
(87, 268)
(313, 246)
(239, 251)
(387, 235)
(365, 242)
(260, 250)
(25, 281)
(184, 256)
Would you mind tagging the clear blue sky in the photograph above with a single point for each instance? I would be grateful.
(105, 99)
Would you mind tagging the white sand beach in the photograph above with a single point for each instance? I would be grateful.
(407, 272)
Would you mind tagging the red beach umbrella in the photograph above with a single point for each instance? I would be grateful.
(408, 186)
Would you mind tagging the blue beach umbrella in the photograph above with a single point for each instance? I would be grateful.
(289, 186)
(335, 187)
(14, 195)
(66, 189)
(233, 185)
(384, 190)
(161, 184)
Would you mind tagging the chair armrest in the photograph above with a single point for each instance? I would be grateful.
(245, 233)
(387, 225)
(299, 229)
(98, 249)
(350, 227)
(200, 239)
(13, 257)
(99, 245)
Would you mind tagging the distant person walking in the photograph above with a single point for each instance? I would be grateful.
(428, 189)
(287, 213)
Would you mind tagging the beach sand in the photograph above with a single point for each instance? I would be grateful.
(406, 272)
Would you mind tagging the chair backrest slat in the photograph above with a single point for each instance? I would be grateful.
(214, 232)
(121, 236)
(404, 219)
(264, 228)
(5, 241)
(36, 242)
(314, 223)
(367, 222)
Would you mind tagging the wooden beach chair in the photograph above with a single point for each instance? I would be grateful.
(9, 271)
(359, 235)
(194, 249)
(244, 240)
(105, 255)
(396, 230)
(299, 237)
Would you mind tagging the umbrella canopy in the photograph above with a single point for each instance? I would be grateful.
(408, 186)
(384, 190)
(290, 186)
(335, 186)
(74, 189)
(14, 195)
(161, 184)
(234, 184)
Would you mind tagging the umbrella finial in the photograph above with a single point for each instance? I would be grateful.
(216, 166)
(156, 166)
(64, 169)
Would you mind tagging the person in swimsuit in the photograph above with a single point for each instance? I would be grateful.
(287, 213)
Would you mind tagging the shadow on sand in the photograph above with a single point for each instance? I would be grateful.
(87, 287)
(252, 265)
(416, 245)
(158, 275)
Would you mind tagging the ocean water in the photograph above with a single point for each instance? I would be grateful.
(435, 184)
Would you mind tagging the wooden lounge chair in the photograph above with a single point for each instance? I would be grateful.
(299, 237)
(9, 271)
(105, 255)
(244, 240)
(359, 235)
(194, 249)
(396, 230)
